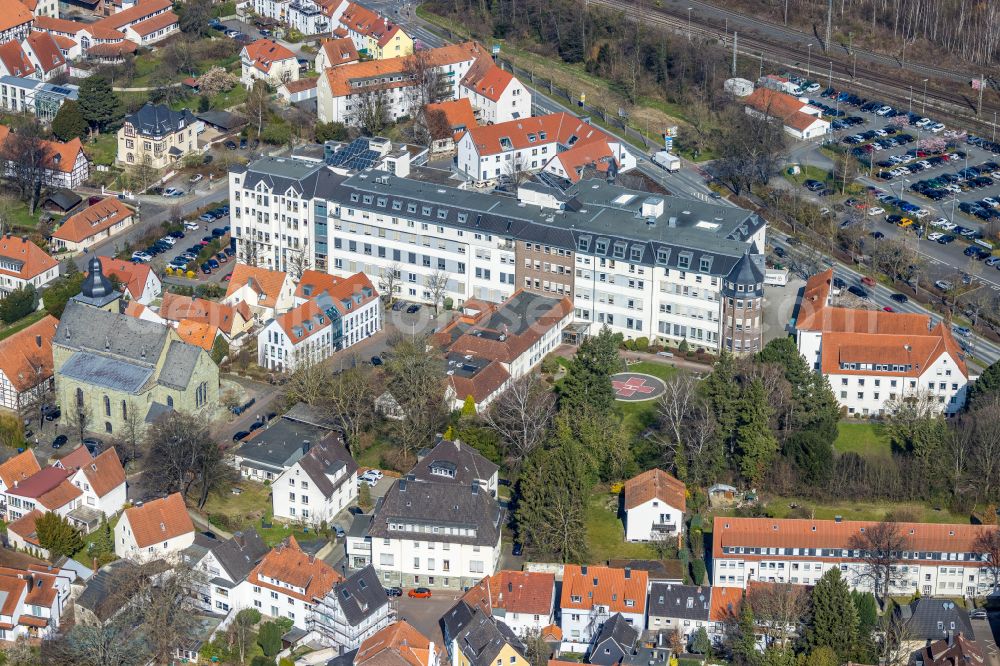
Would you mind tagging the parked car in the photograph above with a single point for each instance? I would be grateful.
(339, 531)
(52, 413)
(419, 593)
(860, 292)
(943, 285)
(900, 298)
(196, 178)
(231, 145)
(173, 192)
(59, 441)
(413, 308)
(961, 330)
(93, 444)
(978, 614)
(239, 436)
(868, 281)
(376, 361)
(393, 591)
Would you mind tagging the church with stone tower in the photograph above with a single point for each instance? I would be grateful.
(114, 372)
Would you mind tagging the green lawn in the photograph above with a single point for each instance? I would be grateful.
(104, 149)
(83, 556)
(248, 509)
(661, 370)
(606, 534)
(640, 415)
(866, 439)
(780, 507)
(808, 172)
(22, 324)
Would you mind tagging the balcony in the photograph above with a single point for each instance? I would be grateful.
(664, 528)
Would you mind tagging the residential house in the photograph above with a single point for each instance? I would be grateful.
(22, 535)
(15, 62)
(233, 322)
(48, 490)
(268, 61)
(614, 642)
(139, 282)
(270, 452)
(268, 293)
(466, 68)
(592, 594)
(448, 121)
(144, 23)
(332, 314)
(477, 638)
(679, 609)
(45, 55)
(799, 551)
(655, 502)
(374, 36)
(450, 462)
(959, 650)
(157, 136)
(318, 486)
(102, 598)
(16, 22)
(159, 529)
(225, 565)
(489, 346)
(23, 263)
(398, 644)
(440, 535)
(298, 91)
(800, 119)
(32, 601)
(288, 583)
(102, 481)
(524, 600)
(66, 164)
(352, 612)
(38, 98)
(93, 224)
(873, 359)
(724, 612)
(557, 143)
(707, 289)
(26, 364)
(334, 52)
(928, 619)
(16, 470)
(108, 364)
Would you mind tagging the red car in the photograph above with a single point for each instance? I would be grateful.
(867, 281)
(888, 308)
(419, 593)
(228, 277)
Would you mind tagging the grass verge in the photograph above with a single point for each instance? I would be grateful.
(606, 534)
(866, 439)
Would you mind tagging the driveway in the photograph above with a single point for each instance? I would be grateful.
(987, 633)
(424, 614)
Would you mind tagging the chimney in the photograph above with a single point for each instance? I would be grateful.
(38, 341)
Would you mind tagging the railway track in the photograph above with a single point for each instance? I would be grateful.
(837, 65)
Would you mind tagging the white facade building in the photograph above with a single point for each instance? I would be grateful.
(439, 535)
(224, 565)
(654, 506)
(939, 559)
(524, 600)
(592, 594)
(155, 530)
(874, 359)
(318, 486)
(102, 481)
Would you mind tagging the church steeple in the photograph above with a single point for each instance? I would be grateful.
(97, 290)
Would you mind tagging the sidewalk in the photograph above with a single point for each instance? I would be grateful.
(569, 351)
(203, 525)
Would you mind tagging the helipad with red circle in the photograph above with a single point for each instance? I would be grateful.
(636, 387)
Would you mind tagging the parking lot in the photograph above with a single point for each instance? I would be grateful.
(184, 249)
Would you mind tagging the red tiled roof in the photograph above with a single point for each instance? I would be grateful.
(561, 127)
(159, 520)
(487, 79)
(132, 276)
(135, 14)
(598, 154)
(399, 643)
(916, 351)
(112, 49)
(457, 112)
(199, 334)
(63, 42)
(46, 50)
(151, 25)
(481, 385)
(303, 321)
(521, 591)
(76, 458)
(604, 586)
(261, 280)
(105, 472)
(301, 84)
(177, 308)
(19, 468)
(655, 484)
(39, 483)
(26, 356)
(13, 14)
(102, 215)
(34, 259)
(830, 534)
(53, 24)
(340, 78)
(339, 51)
(725, 604)
(24, 526)
(265, 52)
(15, 60)
(286, 563)
(782, 106)
(59, 496)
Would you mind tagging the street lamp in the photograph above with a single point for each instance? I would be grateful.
(923, 110)
(809, 51)
(829, 82)
(909, 108)
(689, 23)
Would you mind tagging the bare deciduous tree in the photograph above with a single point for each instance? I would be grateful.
(880, 547)
(27, 158)
(388, 282)
(372, 110)
(350, 396)
(521, 416)
(988, 544)
(437, 285)
(309, 384)
(779, 610)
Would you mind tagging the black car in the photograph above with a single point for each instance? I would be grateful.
(839, 283)
(231, 145)
(413, 308)
(518, 550)
(176, 234)
(243, 143)
(858, 291)
(813, 185)
(878, 235)
(93, 445)
(355, 510)
(899, 298)
(59, 441)
(52, 413)
(238, 437)
(779, 251)
(376, 360)
(393, 591)
(256, 424)
(947, 238)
